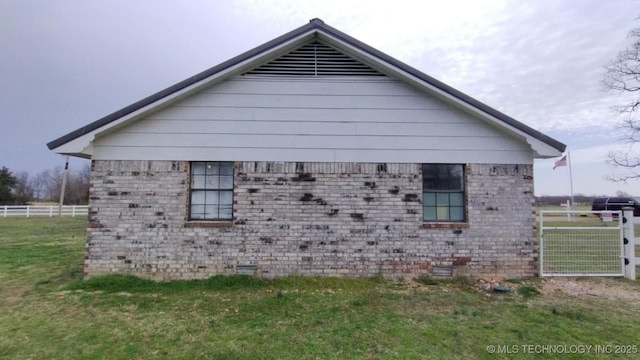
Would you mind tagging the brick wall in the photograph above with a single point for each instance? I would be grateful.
(326, 219)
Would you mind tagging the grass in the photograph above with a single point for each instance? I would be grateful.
(40, 250)
(46, 311)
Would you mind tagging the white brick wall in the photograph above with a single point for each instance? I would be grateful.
(327, 219)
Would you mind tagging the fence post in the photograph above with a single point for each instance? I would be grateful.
(73, 211)
(629, 243)
(50, 211)
(5, 211)
(28, 210)
(541, 252)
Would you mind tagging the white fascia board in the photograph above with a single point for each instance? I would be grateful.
(540, 148)
(83, 145)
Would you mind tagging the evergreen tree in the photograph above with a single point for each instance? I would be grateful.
(7, 183)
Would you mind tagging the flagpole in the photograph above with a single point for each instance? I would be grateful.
(570, 178)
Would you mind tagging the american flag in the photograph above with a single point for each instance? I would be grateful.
(561, 162)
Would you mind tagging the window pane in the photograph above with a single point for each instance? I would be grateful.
(226, 197)
(429, 213)
(225, 212)
(442, 213)
(198, 168)
(226, 168)
(213, 182)
(197, 211)
(211, 212)
(456, 199)
(457, 213)
(213, 168)
(226, 182)
(442, 177)
(197, 181)
(213, 198)
(198, 197)
(442, 199)
(429, 199)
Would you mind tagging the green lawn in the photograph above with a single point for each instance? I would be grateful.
(46, 312)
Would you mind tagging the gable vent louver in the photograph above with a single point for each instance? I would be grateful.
(315, 59)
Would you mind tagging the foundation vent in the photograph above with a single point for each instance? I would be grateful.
(445, 271)
(246, 269)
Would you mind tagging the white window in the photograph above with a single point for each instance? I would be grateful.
(211, 192)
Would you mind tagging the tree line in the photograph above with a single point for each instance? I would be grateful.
(21, 188)
(578, 199)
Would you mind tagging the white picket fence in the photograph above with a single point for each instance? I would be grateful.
(43, 210)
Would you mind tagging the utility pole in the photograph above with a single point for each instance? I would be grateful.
(64, 184)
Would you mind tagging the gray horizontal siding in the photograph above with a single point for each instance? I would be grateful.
(276, 113)
(312, 119)
(381, 142)
(301, 127)
(311, 155)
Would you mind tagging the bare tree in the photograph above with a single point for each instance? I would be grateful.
(23, 190)
(46, 185)
(78, 188)
(52, 182)
(623, 75)
(38, 184)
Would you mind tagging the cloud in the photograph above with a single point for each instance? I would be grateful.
(596, 154)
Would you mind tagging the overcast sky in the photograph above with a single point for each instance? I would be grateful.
(66, 63)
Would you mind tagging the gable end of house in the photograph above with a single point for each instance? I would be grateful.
(314, 49)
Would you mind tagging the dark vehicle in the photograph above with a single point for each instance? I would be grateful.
(615, 204)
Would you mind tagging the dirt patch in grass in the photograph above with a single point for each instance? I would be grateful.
(600, 288)
(13, 295)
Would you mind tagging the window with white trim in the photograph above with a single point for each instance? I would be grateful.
(443, 193)
(211, 191)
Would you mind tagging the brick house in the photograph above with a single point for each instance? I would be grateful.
(312, 154)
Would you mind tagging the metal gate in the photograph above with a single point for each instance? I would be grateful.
(579, 243)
